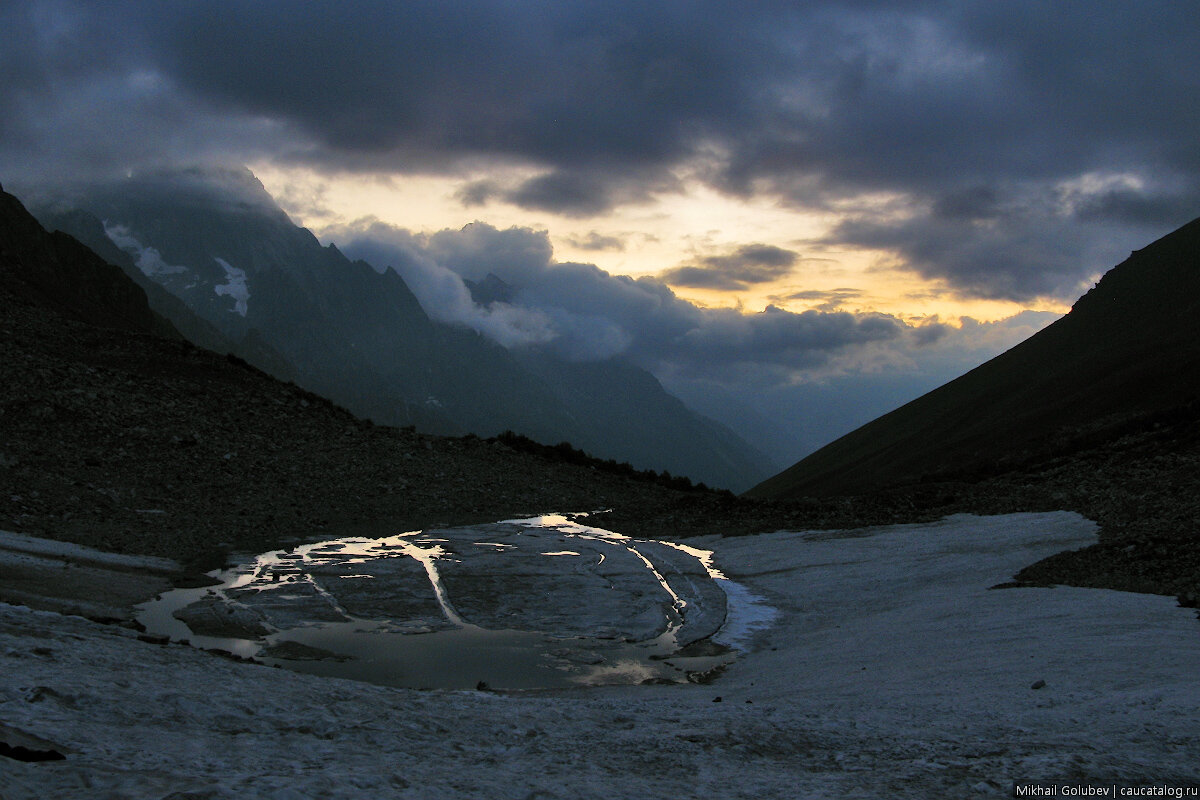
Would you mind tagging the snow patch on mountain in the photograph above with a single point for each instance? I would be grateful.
(235, 287)
(148, 259)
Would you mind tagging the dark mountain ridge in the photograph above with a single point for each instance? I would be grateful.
(217, 241)
(1128, 350)
(55, 271)
(251, 346)
(117, 433)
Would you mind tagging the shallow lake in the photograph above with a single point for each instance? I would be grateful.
(546, 602)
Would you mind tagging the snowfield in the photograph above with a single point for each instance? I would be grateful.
(235, 287)
(891, 671)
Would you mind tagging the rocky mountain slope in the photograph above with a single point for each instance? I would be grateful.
(1098, 413)
(56, 271)
(1128, 352)
(117, 433)
(218, 242)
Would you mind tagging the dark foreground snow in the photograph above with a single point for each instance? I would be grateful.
(891, 671)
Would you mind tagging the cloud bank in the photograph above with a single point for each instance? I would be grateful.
(585, 313)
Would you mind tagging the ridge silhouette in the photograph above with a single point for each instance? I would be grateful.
(1128, 350)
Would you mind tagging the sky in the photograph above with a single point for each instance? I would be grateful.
(804, 210)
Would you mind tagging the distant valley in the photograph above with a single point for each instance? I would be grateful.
(219, 259)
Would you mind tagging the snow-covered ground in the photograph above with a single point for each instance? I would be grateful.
(235, 287)
(892, 670)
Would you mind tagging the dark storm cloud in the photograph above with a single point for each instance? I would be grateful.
(569, 194)
(972, 113)
(1018, 249)
(754, 263)
(1007, 260)
(747, 265)
(83, 96)
(831, 295)
(974, 203)
(1133, 207)
(561, 83)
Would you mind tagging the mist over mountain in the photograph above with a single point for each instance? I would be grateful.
(1126, 357)
(217, 241)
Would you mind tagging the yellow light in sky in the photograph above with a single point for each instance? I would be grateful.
(665, 231)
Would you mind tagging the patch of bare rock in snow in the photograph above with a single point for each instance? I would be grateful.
(891, 670)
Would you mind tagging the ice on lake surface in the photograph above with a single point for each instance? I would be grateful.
(545, 602)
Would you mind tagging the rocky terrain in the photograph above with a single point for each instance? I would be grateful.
(136, 443)
(140, 444)
(118, 434)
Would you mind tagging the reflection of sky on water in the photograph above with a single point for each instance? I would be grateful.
(537, 603)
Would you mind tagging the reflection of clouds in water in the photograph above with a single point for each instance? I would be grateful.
(604, 609)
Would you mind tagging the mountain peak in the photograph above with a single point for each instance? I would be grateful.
(492, 289)
(1163, 276)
